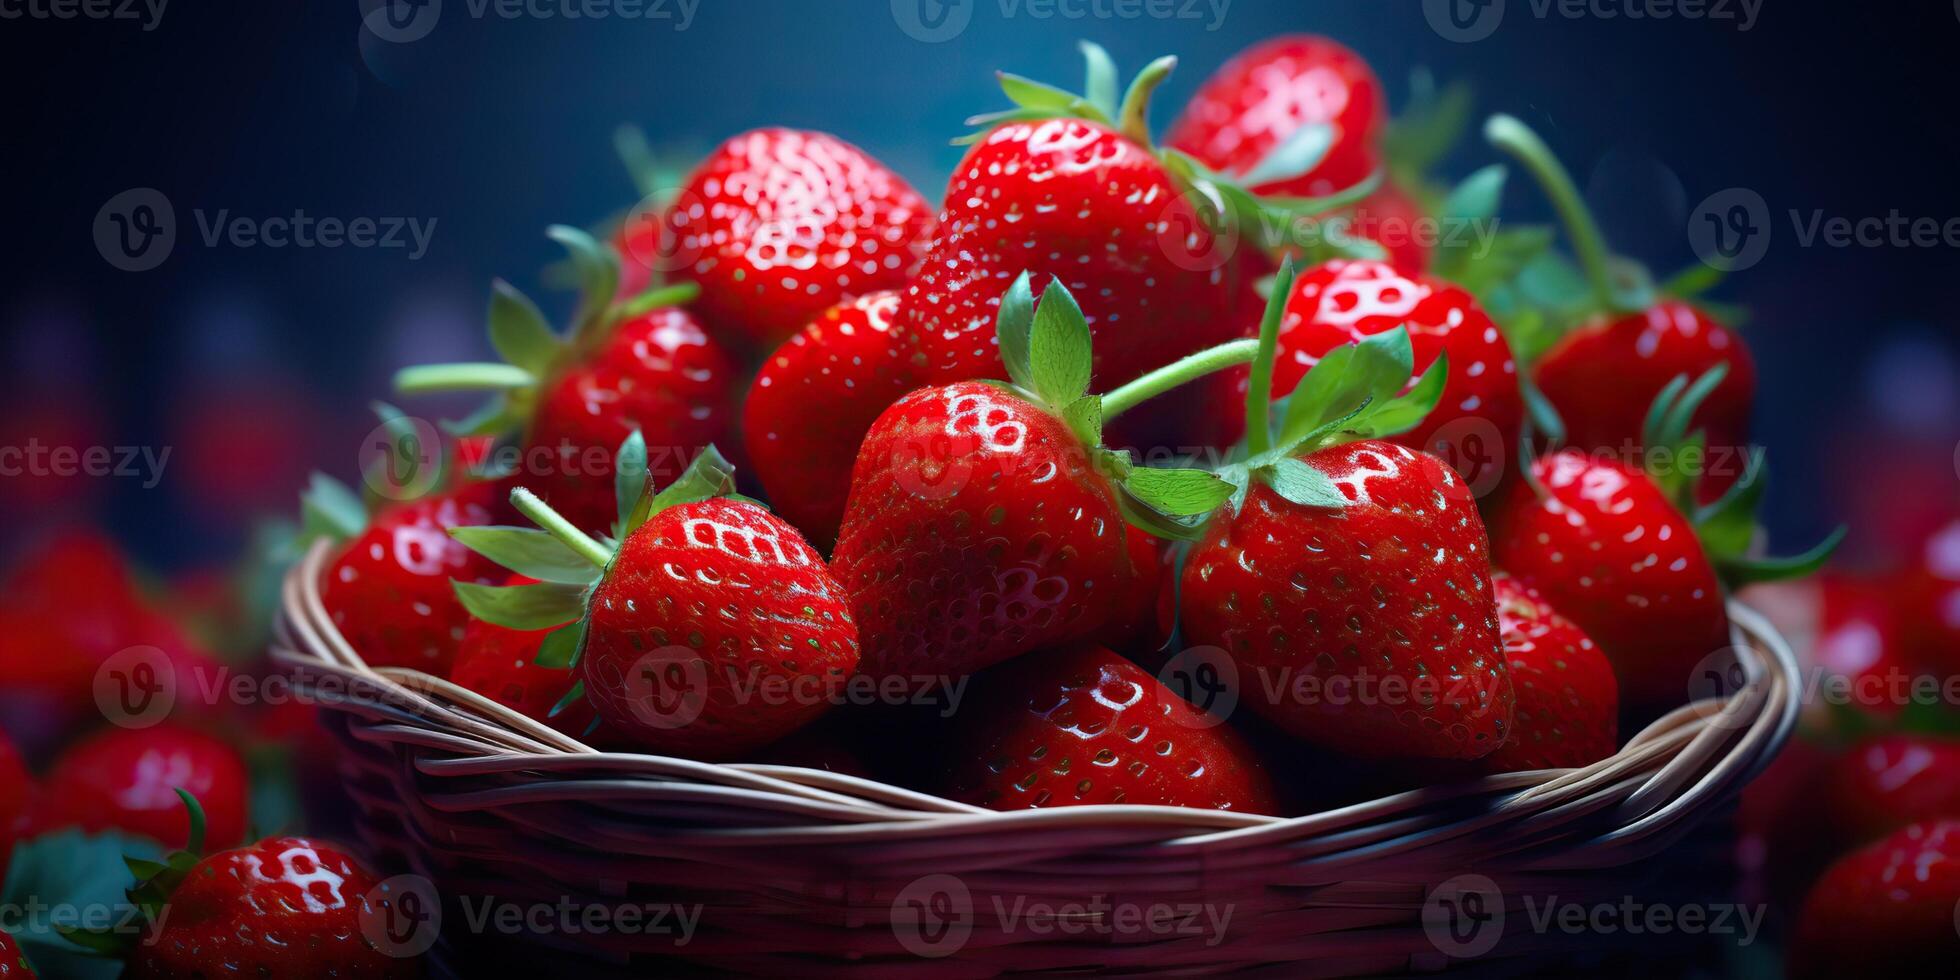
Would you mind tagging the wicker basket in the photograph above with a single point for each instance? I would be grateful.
(804, 872)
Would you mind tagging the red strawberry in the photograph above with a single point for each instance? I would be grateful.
(16, 789)
(808, 409)
(13, 963)
(983, 524)
(1846, 636)
(1266, 94)
(1568, 704)
(126, 780)
(1888, 781)
(1623, 348)
(1341, 302)
(639, 364)
(388, 588)
(1349, 582)
(1084, 726)
(778, 225)
(1929, 602)
(500, 663)
(1391, 218)
(1886, 909)
(711, 630)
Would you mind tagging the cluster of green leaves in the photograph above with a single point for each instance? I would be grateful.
(91, 868)
(1355, 391)
(332, 510)
(1098, 102)
(1046, 349)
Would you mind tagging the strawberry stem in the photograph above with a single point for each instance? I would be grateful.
(432, 378)
(1259, 394)
(657, 298)
(1514, 137)
(541, 514)
(1133, 119)
(1208, 361)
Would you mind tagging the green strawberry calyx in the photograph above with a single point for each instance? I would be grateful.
(1728, 527)
(1355, 391)
(155, 882)
(568, 563)
(332, 510)
(531, 351)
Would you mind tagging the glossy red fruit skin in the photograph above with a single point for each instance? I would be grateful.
(1071, 199)
(977, 530)
(1391, 595)
(285, 908)
(500, 663)
(1928, 596)
(778, 225)
(1392, 219)
(13, 964)
(1885, 782)
(388, 589)
(1476, 424)
(16, 790)
(1885, 909)
(750, 631)
(811, 404)
(125, 779)
(1268, 92)
(1604, 377)
(1612, 554)
(1084, 726)
(660, 373)
(1568, 704)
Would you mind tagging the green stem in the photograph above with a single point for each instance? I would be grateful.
(1514, 137)
(541, 514)
(431, 378)
(659, 297)
(1259, 394)
(1133, 119)
(1208, 361)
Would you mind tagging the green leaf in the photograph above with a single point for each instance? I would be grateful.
(1294, 157)
(629, 479)
(1739, 572)
(1478, 196)
(1540, 411)
(1682, 414)
(496, 416)
(1156, 523)
(1653, 431)
(528, 551)
(597, 267)
(1728, 526)
(519, 331)
(1030, 94)
(523, 607)
(1014, 329)
(1177, 492)
(1369, 373)
(572, 697)
(710, 475)
(329, 509)
(80, 872)
(1084, 417)
(1304, 484)
(1102, 90)
(562, 646)
(1693, 281)
(1406, 411)
(1433, 122)
(1059, 348)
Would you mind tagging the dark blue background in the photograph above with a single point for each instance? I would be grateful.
(496, 128)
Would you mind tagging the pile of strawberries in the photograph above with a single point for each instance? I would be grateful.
(1012, 499)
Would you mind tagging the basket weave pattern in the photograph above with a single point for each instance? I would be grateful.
(800, 872)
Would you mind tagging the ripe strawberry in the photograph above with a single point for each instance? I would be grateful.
(1567, 702)
(1846, 635)
(639, 364)
(126, 780)
(1929, 602)
(1622, 347)
(1631, 559)
(810, 405)
(712, 629)
(1393, 219)
(1886, 909)
(1340, 302)
(986, 520)
(1349, 582)
(500, 663)
(1885, 782)
(285, 908)
(388, 588)
(13, 963)
(778, 225)
(16, 790)
(1084, 726)
(1266, 94)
